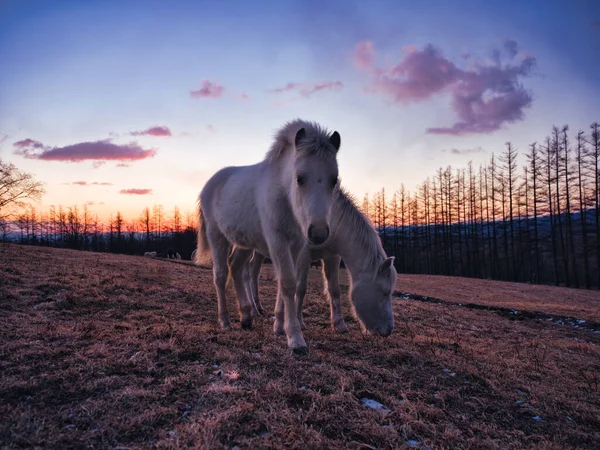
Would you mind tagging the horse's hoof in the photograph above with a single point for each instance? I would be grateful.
(225, 325)
(299, 351)
(247, 324)
(341, 327)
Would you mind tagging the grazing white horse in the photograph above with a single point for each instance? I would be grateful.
(150, 254)
(372, 273)
(274, 207)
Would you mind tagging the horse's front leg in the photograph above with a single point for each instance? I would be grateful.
(285, 308)
(331, 270)
(302, 269)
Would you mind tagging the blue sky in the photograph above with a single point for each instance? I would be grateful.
(382, 73)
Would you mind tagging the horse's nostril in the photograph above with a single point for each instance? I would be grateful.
(310, 231)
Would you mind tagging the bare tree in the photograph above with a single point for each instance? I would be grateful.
(16, 187)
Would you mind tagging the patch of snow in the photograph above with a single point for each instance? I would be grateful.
(374, 404)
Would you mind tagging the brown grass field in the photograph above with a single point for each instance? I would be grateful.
(113, 351)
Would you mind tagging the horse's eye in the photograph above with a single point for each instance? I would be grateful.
(333, 181)
(300, 180)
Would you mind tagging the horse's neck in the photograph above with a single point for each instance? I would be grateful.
(360, 249)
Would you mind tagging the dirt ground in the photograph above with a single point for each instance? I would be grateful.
(113, 351)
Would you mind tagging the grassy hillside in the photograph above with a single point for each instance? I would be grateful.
(106, 351)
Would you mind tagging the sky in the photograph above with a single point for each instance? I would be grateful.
(126, 104)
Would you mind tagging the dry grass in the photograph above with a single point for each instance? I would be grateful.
(108, 351)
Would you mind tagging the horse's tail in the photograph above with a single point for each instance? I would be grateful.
(203, 247)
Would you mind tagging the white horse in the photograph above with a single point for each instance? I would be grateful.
(273, 207)
(372, 273)
(150, 254)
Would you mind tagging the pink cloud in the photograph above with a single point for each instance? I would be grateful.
(28, 143)
(153, 131)
(123, 165)
(364, 55)
(135, 191)
(98, 151)
(308, 89)
(244, 96)
(208, 90)
(483, 97)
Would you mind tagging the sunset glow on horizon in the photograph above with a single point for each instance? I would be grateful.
(122, 106)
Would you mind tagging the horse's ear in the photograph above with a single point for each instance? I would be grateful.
(300, 134)
(386, 265)
(336, 140)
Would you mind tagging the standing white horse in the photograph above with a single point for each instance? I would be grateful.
(274, 207)
(373, 276)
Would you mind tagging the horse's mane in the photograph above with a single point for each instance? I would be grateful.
(316, 140)
(349, 220)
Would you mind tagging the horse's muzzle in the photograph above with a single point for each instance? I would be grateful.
(318, 234)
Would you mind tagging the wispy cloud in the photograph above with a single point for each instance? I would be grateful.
(135, 191)
(98, 151)
(308, 89)
(364, 55)
(85, 183)
(244, 96)
(465, 151)
(483, 97)
(153, 131)
(211, 128)
(209, 89)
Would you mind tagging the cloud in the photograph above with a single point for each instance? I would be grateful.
(211, 128)
(465, 151)
(208, 90)
(153, 131)
(364, 55)
(98, 151)
(308, 89)
(135, 191)
(28, 143)
(123, 165)
(484, 97)
(85, 183)
(244, 96)
(4, 138)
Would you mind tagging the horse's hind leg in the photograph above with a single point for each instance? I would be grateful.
(252, 272)
(237, 267)
(220, 247)
(331, 270)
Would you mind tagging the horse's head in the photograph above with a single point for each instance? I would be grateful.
(314, 182)
(371, 298)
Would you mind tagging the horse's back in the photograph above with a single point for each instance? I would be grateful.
(228, 201)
